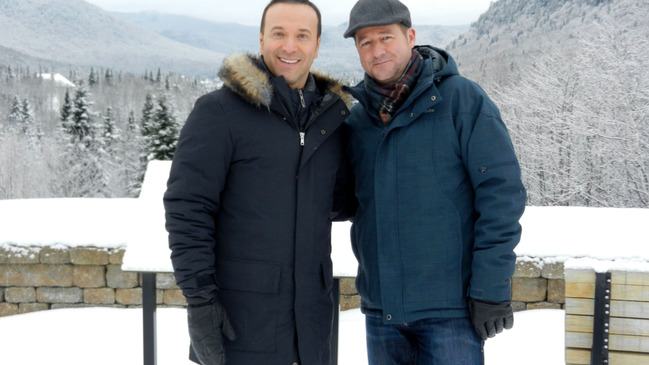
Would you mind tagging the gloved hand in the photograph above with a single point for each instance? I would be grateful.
(490, 318)
(208, 323)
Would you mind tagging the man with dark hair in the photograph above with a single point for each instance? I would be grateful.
(440, 196)
(258, 175)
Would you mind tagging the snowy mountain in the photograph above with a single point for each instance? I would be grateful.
(570, 78)
(64, 33)
(75, 33)
(511, 34)
(224, 38)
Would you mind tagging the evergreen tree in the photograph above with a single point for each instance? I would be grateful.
(15, 114)
(111, 134)
(146, 132)
(134, 164)
(148, 114)
(27, 123)
(163, 134)
(66, 110)
(86, 176)
(132, 128)
(93, 78)
(80, 127)
(10, 74)
(108, 76)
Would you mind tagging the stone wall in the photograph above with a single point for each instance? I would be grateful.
(536, 284)
(34, 279)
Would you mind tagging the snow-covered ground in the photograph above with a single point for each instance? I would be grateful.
(110, 336)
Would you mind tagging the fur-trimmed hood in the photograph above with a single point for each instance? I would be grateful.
(241, 74)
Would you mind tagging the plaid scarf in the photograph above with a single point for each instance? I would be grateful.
(388, 98)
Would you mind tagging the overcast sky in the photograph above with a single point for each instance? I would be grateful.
(334, 12)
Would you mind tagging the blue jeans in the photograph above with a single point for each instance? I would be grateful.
(449, 341)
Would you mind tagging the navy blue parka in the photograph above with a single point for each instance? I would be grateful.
(440, 196)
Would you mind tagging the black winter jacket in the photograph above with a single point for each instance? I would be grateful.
(250, 200)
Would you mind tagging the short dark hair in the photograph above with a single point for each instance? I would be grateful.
(304, 2)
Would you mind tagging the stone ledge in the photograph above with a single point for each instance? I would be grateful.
(35, 278)
(89, 256)
(19, 255)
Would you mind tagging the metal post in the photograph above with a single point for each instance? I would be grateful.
(334, 335)
(599, 350)
(149, 318)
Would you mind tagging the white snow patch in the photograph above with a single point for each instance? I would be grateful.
(57, 78)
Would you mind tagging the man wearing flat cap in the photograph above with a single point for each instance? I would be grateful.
(440, 197)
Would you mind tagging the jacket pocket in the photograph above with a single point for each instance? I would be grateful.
(250, 293)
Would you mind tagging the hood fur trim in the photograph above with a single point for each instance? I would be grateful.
(241, 74)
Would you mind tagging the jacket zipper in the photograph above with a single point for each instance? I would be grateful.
(301, 131)
(299, 91)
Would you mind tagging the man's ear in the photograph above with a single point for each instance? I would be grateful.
(411, 37)
(317, 47)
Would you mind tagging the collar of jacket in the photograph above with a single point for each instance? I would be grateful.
(438, 64)
(241, 74)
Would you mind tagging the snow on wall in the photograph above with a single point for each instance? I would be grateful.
(599, 238)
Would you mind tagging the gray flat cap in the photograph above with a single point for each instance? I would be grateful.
(376, 13)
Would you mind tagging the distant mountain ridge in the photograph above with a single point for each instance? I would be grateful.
(337, 55)
(225, 38)
(75, 33)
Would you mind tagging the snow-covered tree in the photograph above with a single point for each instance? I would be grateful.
(108, 76)
(15, 114)
(66, 110)
(148, 114)
(111, 134)
(134, 164)
(86, 177)
(579, 118)
(28, 127)
(80, 127)
(93, 78)
(161, 140)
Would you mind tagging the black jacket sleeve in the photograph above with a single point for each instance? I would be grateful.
(197, 177)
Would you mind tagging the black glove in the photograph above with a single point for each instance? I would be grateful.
(490, 318)
(208, 323)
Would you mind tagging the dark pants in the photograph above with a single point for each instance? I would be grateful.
(450, 341)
